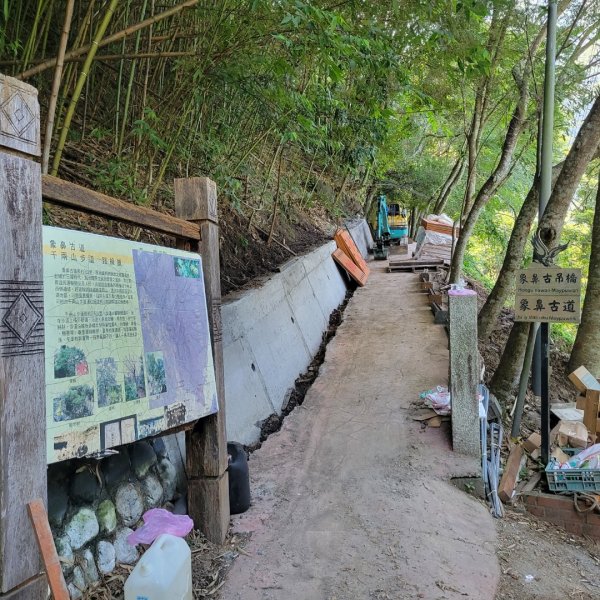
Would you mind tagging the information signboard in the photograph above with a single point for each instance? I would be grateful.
(548, 294)
(127, 342)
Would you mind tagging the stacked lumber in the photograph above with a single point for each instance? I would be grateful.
(588, 400)
(428, 251)
(439, 226)
(348, 256)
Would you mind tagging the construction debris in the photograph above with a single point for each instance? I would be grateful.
(510, 477)
(588, 387)
(572, 433)
(435, 238)
(348, 256)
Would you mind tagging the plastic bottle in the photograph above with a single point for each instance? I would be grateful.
(163, 573)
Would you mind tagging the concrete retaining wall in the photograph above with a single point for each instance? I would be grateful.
(271, 334)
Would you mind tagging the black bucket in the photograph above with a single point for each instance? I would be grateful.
(239, 479)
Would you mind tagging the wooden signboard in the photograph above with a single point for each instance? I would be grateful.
(548, 294)
(342, 259)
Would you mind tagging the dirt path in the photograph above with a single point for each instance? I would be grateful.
(351, 499)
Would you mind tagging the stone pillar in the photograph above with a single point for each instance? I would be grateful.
(464, 372)
(22, 385)
(206, 444)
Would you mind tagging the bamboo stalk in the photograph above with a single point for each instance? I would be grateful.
(64, 36)
(276, 201)
(80, 83)
(121, 133)
(115, 37)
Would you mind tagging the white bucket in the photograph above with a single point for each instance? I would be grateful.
(163, 573)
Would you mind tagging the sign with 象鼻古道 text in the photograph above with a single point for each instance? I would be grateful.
(548, 294)
(127, 342)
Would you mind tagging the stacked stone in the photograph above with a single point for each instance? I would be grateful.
(93, 507)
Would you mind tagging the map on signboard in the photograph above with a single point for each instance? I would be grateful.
(127, 342)
(548, 294)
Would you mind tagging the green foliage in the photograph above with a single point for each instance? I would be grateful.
(66, 361)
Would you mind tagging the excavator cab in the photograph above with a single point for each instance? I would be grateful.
(389, 225)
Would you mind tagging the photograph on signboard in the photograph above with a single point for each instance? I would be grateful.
(127, 342)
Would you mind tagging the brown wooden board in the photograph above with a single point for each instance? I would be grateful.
(590, 412)
(22, 388)
(411, 268)
(345, 243)
(413, 262)
(511, 474)
(206, 444)
(342, 259)
(43, 535)
(438, 227)
(71, 195)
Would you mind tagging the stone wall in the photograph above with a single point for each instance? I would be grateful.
(94, 505)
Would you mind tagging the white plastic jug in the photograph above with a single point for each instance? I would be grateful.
(163, 573)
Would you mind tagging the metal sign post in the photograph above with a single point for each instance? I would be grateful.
(545, 190)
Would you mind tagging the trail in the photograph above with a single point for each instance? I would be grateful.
(352, 499)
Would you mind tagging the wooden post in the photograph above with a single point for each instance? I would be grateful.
(22, 385)
(206, 444)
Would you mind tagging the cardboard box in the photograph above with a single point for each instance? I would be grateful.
(572, 433)
(533, 442)
(583, 380)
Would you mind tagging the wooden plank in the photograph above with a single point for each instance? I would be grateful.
(533, 442)
(210, 498)
(439, 227)
(412, 263)
(582, 379)
(71, 195)
(206, 444)
(590, 412)
(22, 382)
(424, 414)
(511, 474)
(532, 483)
(346, 244)
(398, 267)
(342, 259)
(43, 535)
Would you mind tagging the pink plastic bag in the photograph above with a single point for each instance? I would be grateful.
(158, 521)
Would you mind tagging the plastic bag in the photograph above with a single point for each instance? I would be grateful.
(158, 521)
(586, 459)
(438, 399)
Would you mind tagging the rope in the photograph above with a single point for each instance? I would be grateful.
(592, 498)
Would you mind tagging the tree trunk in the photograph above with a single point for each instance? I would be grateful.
(584, 148)
(502, 170)
(513, 260)
(581, 153)
(493, 182)
(449, 184)
(508, 371)
(586, 350)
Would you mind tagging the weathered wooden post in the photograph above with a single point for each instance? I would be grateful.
(464, 371)
(206, 444)
(22, 388)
